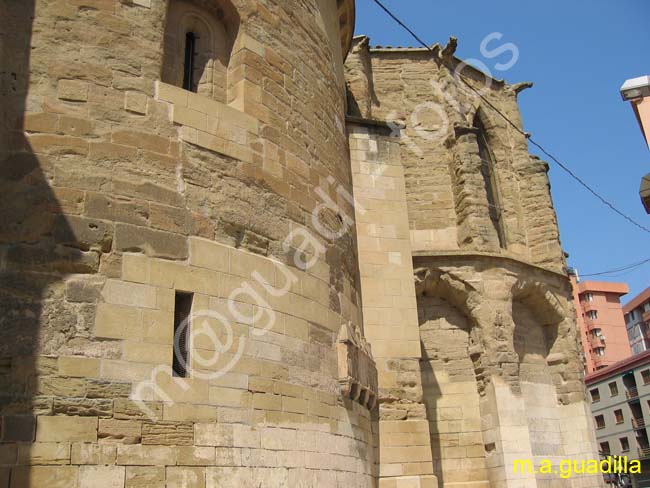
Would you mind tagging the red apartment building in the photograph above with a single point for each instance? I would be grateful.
(600, 319)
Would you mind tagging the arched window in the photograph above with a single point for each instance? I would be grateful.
(199, 37)
(489, 178)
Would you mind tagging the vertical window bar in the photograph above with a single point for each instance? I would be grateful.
(190, 49)
(182, 316)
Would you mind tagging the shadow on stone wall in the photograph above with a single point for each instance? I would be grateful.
(33, 259)
(431, 393)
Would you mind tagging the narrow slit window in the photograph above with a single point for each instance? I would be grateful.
(190, 53)
(182, 323)
(489, 178)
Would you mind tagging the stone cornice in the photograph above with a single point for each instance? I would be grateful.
(480, 254)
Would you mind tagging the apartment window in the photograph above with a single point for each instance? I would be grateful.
(600, 421)
(618, 415)
(646, 307)
(182, 315)
(490, 180)
(600, 351)
(592, 314)
(613, 388)
(604, 448)
(595, 333)
(595, 395)
(625, 444)
(645, 375)
(589, 297)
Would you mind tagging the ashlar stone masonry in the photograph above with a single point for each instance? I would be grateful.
(175, 165)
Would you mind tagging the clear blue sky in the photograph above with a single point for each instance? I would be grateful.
(578, 53)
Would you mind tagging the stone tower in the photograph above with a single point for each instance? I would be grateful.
(192, 297)
(478, 362)
(177, 247)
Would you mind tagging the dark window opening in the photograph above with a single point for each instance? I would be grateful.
(190, 56)
(489, 178)
(182, 316)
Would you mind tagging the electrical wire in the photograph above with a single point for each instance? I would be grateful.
(532, 141)
(618, 270)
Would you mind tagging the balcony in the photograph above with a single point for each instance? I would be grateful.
(632, 393)
(638, 423)
(596, 341)
(587, 306)
(644, 452)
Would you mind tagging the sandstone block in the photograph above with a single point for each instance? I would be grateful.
(41, 122)
(83, 290)
(107, 389)
(154, 243)
(120, 431)
(66, 429)
(168, 434)
(195, 413)
(142, 140)
(195, 456)
(73, 90)
(145, 477)
(126, 409)
(213, 435)
(46, 476)
(185, 477)
(78, 366)
(118, 292)
(44, 453)
(84, 407)
(207, 254)
(18, 428)
(135, 102)
(84, 453)
(101, 476)
(135, 268)
(146, 455)
(117, 322)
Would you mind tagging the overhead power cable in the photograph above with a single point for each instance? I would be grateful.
(532, 141)
(618, 270)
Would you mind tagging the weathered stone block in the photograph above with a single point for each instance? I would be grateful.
(146, 455)
(78, 366)
(145, 477)
(107, 389)
(18, 428)
(101, 477)
(135, 102)
(83, 407)
(83, 233)
(66, 429)
(98, 454)
(128, 294)
(117, 322)
(154, 243)
(120, 431)
(44, 453)
(185, 477)
(73, 90)
(168, 434)
(195, 456)
(126, 409)
(50, 476)
(83, 290)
